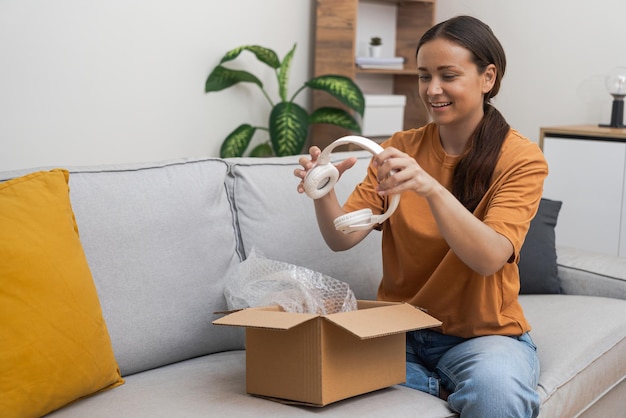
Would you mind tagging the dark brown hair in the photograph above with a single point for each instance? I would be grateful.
(472, 175)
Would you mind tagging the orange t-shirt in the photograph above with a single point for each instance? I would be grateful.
(418, 265)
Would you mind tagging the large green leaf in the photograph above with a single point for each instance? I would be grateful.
(222, 77)
(263, 54)
(289, 128)
(342, 88)
(262, 150)
(283, 75)
(335, 116)
(237, 141)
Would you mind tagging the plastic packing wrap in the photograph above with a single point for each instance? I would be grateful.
(259, 281)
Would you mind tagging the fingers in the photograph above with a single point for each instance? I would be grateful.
(388, 184)
(300, 173)
(397, 172)
(391, 161)
(307, 164)
(315, 153)
(346, 164)
(410, 177)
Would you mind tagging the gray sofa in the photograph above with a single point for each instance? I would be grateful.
(161, 240)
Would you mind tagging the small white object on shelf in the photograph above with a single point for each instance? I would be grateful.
(381, 66)
(379, 60)
(384, 114)
(375, 50)
(385, 63)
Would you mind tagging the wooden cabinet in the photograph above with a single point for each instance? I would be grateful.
(588, 174)
(336, 49)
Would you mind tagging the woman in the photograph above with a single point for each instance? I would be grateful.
(470, 186)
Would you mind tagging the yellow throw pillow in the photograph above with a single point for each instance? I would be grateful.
(54, 343)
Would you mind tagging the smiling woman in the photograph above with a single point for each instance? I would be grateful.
(453, 93)
(470, 186)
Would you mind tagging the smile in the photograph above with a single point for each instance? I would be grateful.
(437, 105)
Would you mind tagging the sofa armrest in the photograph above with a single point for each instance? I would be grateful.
(592, 274)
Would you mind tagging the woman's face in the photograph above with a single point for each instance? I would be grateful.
(450, 86)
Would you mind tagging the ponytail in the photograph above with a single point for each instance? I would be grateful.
(473, 173)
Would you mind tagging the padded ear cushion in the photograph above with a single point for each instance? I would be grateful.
(320, 180)
(362, 218)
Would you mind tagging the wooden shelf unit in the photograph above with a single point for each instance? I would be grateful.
(335, 51)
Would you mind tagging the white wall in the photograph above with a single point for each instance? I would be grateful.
(558, 53)
(89, 82)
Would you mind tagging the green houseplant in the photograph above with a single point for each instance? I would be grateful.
(288, 124)
(376, 45)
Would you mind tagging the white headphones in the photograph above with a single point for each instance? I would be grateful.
(323, 177)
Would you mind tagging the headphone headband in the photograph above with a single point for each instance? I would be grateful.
(363, 142)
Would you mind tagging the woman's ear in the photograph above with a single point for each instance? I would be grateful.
(489, 78)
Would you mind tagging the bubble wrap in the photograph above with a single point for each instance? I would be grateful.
(259, 281)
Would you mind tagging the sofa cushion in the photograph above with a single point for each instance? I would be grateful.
(581, 343)
(278, 221)
(594, 274)
(538, 259)
(215, 386)
(160, 241)
(54, 343)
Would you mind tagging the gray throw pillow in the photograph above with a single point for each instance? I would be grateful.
(537, 266)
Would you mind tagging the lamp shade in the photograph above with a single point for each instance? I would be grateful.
(616, 81)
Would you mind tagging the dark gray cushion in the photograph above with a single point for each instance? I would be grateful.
(537, 266)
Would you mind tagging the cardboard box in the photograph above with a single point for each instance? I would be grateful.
(384, 114)
(315, 360)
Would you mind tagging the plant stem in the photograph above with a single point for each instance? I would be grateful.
(296, 93)
(267, 97)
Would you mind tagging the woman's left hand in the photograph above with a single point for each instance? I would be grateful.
(399, 172)
(476, 244)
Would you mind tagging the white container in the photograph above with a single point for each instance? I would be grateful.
(384, 114)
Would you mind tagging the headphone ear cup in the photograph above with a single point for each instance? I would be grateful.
(320, 180)
(359, 219)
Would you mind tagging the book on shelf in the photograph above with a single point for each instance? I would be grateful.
(381, 63)
(381, 66)
(379, 60)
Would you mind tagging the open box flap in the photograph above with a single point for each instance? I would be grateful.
(267, 318)
(383, 320)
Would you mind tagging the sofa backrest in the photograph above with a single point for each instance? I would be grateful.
(162, 239)
(159, 240)
(280, 223)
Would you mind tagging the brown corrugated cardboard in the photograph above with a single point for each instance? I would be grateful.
(319, 359)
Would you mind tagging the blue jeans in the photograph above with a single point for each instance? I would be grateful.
(487, 377)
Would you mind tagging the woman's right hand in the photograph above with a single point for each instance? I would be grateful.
(308, 164)
(327, 208)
